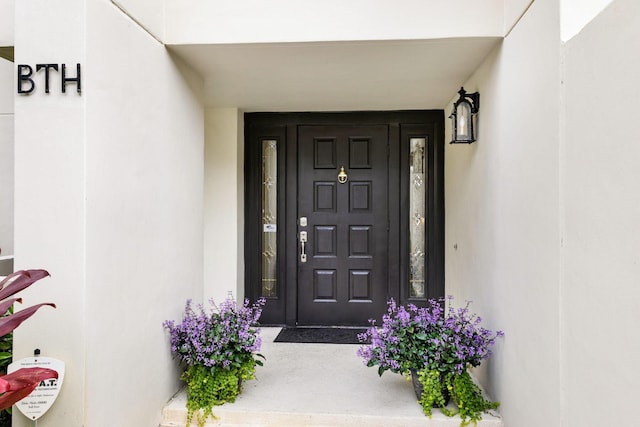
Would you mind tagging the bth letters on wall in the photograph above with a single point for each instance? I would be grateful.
(44, 73)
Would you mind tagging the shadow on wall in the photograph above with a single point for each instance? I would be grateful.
(6, 264)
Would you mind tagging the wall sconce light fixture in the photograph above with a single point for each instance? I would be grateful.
(464, 117)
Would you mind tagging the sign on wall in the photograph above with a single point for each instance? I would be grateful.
(46, 74)
(40, 400)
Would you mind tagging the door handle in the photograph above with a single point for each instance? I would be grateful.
(303, 240)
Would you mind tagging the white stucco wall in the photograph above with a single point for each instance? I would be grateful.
(6, 130)
(7, 87)
(249, 21)
(50, 200)
(544, 214)
(241, 21)
(601, 248)
(224, 204)
(147, 13)
(502, 212)
(513, 11)
(114, 211)
(7, 10)
(144, 165)
(6, 157)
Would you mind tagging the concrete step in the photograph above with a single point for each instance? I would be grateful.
(175, 416)
(319, 385)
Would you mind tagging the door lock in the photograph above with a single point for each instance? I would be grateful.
(303, 240)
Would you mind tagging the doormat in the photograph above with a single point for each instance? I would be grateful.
(320, 335)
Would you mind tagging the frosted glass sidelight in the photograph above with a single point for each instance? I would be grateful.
(417, 209)
(269, 217)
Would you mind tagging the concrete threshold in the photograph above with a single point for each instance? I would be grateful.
(319, 385)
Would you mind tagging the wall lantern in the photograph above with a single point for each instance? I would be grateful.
(464, 117)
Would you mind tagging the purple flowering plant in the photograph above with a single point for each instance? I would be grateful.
(433, 338)
(219, 347)
(223, 337)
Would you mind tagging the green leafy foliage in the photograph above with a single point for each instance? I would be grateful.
(208, 387)
(434, 385)
(6, 357)
(466, 394)
(6, 348)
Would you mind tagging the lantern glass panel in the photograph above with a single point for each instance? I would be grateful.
(463, 122)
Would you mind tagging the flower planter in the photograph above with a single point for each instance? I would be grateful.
(418, 389)
(417, 386)
(432, 340)
(219, 349)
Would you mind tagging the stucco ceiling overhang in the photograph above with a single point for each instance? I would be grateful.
(335, 76)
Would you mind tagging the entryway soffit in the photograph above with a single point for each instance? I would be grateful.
(335, 76)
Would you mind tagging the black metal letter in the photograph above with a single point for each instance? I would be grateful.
(46, 73)
(22, 77)
(71, 79)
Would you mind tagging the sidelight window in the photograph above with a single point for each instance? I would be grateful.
(417, 209)
(269, 217)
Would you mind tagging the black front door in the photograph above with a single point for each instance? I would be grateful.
(341, 184)
(342, 207)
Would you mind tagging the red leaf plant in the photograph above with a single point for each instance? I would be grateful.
(19, 384)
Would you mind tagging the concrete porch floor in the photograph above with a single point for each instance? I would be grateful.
(319, 385)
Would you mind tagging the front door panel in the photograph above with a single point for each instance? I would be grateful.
(342, 275)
